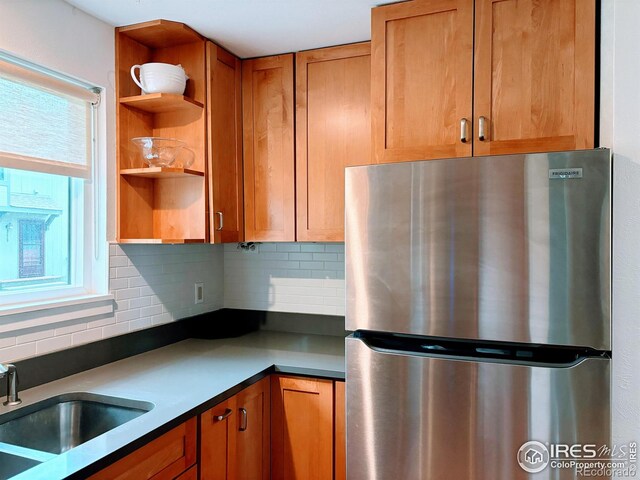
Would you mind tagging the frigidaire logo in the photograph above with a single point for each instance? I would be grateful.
(563, 173)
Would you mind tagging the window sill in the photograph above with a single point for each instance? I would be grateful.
(34, 314)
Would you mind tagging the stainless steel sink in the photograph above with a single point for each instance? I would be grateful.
(11, 465)
(60, 423)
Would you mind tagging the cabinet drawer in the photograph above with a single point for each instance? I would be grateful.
(164, 458)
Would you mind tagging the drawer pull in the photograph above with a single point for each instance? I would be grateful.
(226, 414)
(243, 419)
(463, 130)
(482, 136)
(220, 220)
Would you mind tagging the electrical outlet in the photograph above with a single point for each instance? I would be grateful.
(199, 293)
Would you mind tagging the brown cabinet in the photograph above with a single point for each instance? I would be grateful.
(421, 79)
(234, 436)
(268, 136)
(301, 428)
(224, 128)
(532, 76)
(340, 432)
(160, 204)
(333, 131)
(167, 457)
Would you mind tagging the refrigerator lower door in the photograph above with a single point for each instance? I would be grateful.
(436, 418)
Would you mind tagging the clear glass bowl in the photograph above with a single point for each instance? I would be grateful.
(184, 158)
(158, 152)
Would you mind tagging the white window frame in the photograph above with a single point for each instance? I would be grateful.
(89, 296)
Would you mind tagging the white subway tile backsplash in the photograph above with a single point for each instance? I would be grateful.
(53, 344)
(66, 329)
(86, 336)
(152, 284)
(127, 315)
(310, 279)
(115, 329)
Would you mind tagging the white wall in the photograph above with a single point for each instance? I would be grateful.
(621, 131)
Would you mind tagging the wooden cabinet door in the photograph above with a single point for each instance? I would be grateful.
(164, 458)
(267, 99)
(333, 131)
(253, 430)
(421, 79)
(224, 124)
(340, 433)
(217, 441)
(301, 428)
(534, 75)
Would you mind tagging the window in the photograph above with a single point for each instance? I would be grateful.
(50, 219)
(31, 248)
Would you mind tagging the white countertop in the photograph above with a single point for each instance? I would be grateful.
(177, 379)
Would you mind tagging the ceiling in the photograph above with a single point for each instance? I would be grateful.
(250, 28)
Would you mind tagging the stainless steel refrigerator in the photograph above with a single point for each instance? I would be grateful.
(479, 293)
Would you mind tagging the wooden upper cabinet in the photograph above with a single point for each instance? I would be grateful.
(268, 116)
(224, 125)
(421, 79)
(301, 428)
(534, 75)
(333, 131)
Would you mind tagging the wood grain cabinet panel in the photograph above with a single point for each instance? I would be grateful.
(224, 125)
(421, 80)
(534, 75)
(301, 428)
(253, 406)
(333, 131)
(340, 432)
(217, 441)
(165, 458)
(234, 436)
(268, 136)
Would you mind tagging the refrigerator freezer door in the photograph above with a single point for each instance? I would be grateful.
(427, 418)
(510, 248)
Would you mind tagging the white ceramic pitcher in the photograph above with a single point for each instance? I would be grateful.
(160, 78)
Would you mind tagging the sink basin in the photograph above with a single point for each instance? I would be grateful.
(60, 423)
(11, 465)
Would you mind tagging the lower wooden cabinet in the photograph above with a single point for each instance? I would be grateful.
(165, 458)
(234, 436)
(281, 427)
(301, 428)
(340, 432)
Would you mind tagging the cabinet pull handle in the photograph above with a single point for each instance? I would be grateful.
(220, 220)
(481, 129)
(243, 419)
(226, 413)
(464, 123)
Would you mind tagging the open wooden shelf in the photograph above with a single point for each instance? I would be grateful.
(161, 204)
(161, 240)
(161, 33)
(161, 172)
(161, 102)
